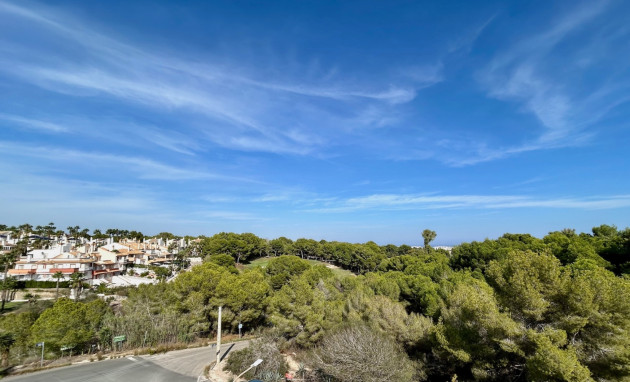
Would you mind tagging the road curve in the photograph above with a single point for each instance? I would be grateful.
(175, 366)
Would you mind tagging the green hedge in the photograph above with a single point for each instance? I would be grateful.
(41, 284)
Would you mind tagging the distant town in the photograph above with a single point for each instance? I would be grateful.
(111, 260)
(115, 258)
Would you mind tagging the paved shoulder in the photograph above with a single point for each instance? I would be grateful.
(191, 362)
(182, 365)
(132, 369)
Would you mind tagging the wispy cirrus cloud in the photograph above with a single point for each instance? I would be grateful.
(403, 202)
(527, 74)
(32, 123)
(198, 116)
(111, 201)
(30, 195)
(120, 132)
(234, 106)
(543, 75)
(140, 167)
(101, 204)
(465, 42)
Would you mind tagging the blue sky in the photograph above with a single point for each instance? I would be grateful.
(350, 121)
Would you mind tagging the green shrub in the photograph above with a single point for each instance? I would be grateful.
(273, 364)
(33, 284)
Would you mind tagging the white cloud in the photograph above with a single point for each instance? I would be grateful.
(96, 162)
(466, 42)
(520, 74)
(118, 202)
(433, 202)
(32, 196)
(540, 78)
(236, 107)
(33, 124)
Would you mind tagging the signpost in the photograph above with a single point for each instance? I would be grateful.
(118, 339)
(41, 344)
(240, 326)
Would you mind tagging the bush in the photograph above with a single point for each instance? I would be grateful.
(239, 361)
(101, 288)
(161, 272)
(122, 290)
(165, 348)
(273, 364)
(24, 284)
(223, 260)
(360, 354)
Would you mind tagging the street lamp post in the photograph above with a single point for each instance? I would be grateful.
(218, 338)
(256, 363)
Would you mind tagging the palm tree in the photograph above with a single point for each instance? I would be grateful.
(58, 275)
(6, 341)
(25, 229)
(74, 232)
(8, 284)
(85, 233)
(97, 234)
(7, 261)
(428, 237)
(59, 233)
(50, 229)
(76, 282)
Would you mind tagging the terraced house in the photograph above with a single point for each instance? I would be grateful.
(97, 261)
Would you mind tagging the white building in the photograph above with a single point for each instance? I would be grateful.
(95, 262)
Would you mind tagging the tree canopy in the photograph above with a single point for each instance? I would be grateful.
(517, 308)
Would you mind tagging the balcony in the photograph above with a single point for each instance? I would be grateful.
(22, 271)
(103, 271)
(64, 270)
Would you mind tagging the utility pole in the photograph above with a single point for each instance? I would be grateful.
(218, 338)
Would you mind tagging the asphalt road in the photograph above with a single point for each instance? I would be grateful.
(181, 365)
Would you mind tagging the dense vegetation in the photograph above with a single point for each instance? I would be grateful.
(516, 308)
